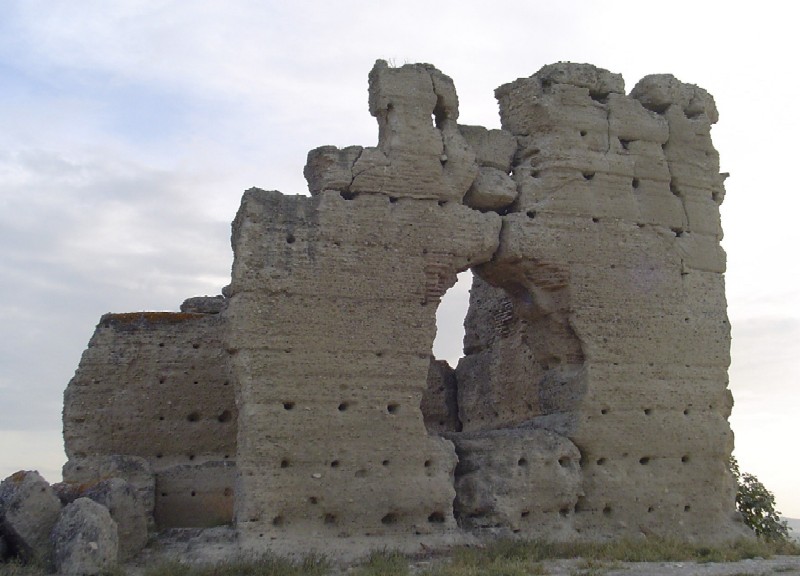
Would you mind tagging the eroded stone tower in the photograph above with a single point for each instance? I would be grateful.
(592, 399)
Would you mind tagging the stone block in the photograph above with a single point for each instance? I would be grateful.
(528, 481)
(85, 539)
(135, 470)
(122, 502)
(329, 168)
(493, 148)
(493, 189)
(204, 305)
(28, 510)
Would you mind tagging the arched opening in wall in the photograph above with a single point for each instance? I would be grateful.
(449, 342)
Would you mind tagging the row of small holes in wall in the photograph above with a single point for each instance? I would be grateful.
(347, 195)
(564, 512)
(625, 144)
(650, 509)
(360, 473)
(163, 380)
(644, 460)
(190, 456)
(649, 411)
(195, 345)
(391, 407)
(607, 510)
(564, 461)
(223, 417)
(227, 493)
(673, 187)
(435, 517)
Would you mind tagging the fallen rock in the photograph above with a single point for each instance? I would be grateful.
(134, 469)
(493, 189)
(120, 498)
(493, 148)
(204, 305)
(329, 168)
(28, 510)
(85, 539)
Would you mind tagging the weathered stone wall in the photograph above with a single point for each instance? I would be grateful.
(606, 321)
(158, 385)
(332, 319)
(592, 400)
(331, 335)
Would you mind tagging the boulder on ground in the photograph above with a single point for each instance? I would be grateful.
(134, 469)
(120, 498)
(85, 540)
(28, 510)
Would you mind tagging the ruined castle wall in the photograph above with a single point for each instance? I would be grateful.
(606, 318)
(334, 304)
(158, 385)
(592, 400)
(332, 349)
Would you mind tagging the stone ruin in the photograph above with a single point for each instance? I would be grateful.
(304, 405)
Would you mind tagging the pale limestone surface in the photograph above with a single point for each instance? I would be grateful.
(596, 346)
(156, 385)
(332, 442)
(608, 322)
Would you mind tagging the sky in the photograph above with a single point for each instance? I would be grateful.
(131, 128)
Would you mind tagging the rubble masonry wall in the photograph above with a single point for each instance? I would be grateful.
(157, 385)
(592, 399)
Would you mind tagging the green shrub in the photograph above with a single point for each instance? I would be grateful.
(757, 506)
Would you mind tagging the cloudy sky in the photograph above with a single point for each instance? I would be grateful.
(130, 129)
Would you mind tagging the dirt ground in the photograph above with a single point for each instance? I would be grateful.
(218, 545)
(586, 567)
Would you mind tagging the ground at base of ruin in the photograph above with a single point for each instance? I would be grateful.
(787, 565)
(218, 547)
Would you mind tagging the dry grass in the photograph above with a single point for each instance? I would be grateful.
(266, 565)
(501, 558)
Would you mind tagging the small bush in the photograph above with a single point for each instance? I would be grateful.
(757, 506)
